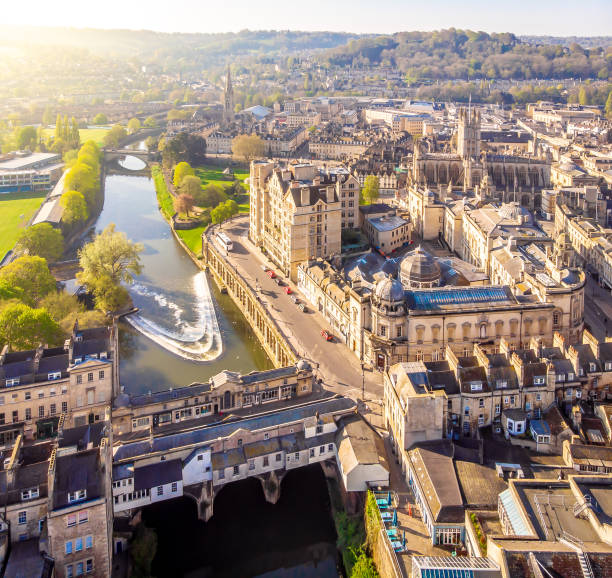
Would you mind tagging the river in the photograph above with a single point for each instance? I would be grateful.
(185, 331)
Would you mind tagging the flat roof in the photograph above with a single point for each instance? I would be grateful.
(384, 224)
(22, 162)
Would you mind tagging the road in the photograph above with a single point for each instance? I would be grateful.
(337, 366)
(597, 308)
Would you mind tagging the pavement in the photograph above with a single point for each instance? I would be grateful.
(339, 369)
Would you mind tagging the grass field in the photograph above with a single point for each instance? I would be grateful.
(95, 134)
(12, 207)
(213, 175)
(192, 238)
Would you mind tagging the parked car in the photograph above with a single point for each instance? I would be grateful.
(294, 299)
(264, 267)
(327, 335)
(303, 308)
(271, 274)
(278, 281)
(288, 290)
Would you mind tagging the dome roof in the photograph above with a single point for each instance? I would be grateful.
(303, 365)
(389, 289)
(420, 267)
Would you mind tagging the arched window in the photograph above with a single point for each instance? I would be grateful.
(483, 331)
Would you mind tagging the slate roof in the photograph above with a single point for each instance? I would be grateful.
(77, 472)
(159, 474)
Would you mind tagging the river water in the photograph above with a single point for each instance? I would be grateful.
(185, 331)
(183, 316)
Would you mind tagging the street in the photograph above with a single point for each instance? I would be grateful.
(337, 366)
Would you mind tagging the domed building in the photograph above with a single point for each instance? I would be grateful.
(419, 270)
(388, 308)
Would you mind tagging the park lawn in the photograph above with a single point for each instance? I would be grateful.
(192, 238)
(12, 206)
(213, 175)
(95, 134)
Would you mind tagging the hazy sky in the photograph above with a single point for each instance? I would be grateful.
(555, 17)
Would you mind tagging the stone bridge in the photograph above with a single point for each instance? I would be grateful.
(114, 154)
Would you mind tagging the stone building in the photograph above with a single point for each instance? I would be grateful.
(298, 212)
(38, 386)
(225, 392)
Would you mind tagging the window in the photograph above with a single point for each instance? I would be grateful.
(538, 397)
(76, 496)
(68, 547)
(52, 409)
(511, 400)
(71, 520)
(502, 384)
(266, 462)
(28, 395)
(69, 573)
(239, 442)
(476, 386)
(174, 487)
(15, 416)
(570, 377)
(497, 409)
(321, 450)
(54, 375)
(22, 517)
(481, 402)
(79, 568)
(330, 447)
(221, 474)
(64, 406)
(312, 452)
(398, 331)
(78, 544)
(13, 381)
(319, 429)
(90, 376)
(88, 542)
(41, 411)
(28, 413)
(89, 565)
(79, 379)
(101, 374)
(592, 367)
(29, 494)
(467, 410)
(278, 457)
(297, 455)
(200, 457)
(90, 396)
(382, 330)
(83, 517)
(481, 420)
(160, 490)
(539, 380)
(266, 436)
(41, 394)
(236, 470)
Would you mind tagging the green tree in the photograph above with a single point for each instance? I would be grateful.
(248, 147)
(65, 309)
(133, 125)
(114, 136)
(232, 208)
(181, 170)
(364, 566)
(583, 97)
(192, 186)
(224, 211)
(75, 207)
(75, 136)
(142, 550)
(371, 189)
(609, 106)
(31, 275)
(110, 259)
(100, 119)
(42, 240)
(26, 138)
(58, 127)
(8, 292)
(24, 327)
(66, 129)
(85, 179)
(211, 196)
(150, 122)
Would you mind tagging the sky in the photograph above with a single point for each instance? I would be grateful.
(552, 17)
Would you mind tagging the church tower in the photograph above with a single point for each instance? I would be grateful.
(468, 133)
(228, 98)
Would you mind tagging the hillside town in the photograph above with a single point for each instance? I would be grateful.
(356, 298)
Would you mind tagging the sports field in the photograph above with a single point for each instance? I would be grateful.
(15, 211)
(95, 134)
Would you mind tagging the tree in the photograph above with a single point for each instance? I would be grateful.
(75, 136)
(232, 208)
(183, 147)
(150, 122)
(583, 97)
(42, 240)
(364, 566)
(142, 550)
(83, 178)
(609, 106)
(371, 189)
(26, 138)
(47, 117)
(224, 211)
(58, 127)
(211, 196)
(114, 136)
(248, 147)
(100, 119)
(23, 327)
(65, 309)
(133, 125)
(192, 186)
(31, 275)
(75, 207)
(181, 170)
(110, 259)
(183, 204)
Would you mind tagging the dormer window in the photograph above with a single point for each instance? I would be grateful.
(103, 355)
(29, 494)
(13, 381)
(608, 365)
(76, 496)
(54, 375)
(78, 359)
(592, 367)
(581, 371)
(539, 380)
(476, 386)
(502, 384)
(570, 376)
